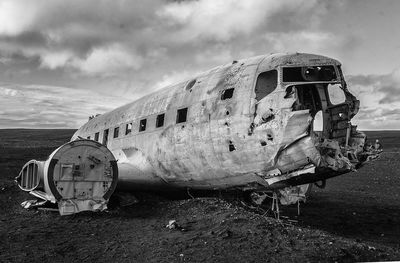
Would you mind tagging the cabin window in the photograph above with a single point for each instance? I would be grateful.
(318, 122)
(190, 85)
(266, 83)
(142, 126)
(160, 120)
(181, 115)
(105, 136)
(88, 137)
(336, 94)
(116, 132)
(96, 136)
(128, 128)
(227, 94)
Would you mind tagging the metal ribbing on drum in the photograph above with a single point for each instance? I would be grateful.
(36, 177)
(30, 175)
(25, 177)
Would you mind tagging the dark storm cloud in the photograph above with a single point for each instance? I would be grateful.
(17, 57)
(29, 38)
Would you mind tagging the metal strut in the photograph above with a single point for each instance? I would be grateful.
(275, 204)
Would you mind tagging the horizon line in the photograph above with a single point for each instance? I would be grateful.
(78, 128)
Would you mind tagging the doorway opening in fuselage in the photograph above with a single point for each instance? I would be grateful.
(313, 97)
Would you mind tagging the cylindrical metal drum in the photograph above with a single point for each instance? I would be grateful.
(79, 175)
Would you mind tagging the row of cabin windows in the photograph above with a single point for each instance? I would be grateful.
(266, 83)
(181, 116)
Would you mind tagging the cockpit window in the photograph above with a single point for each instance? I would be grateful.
(266, 83)
(336, 94)
(309, 74)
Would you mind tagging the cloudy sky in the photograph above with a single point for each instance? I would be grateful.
(61, 61)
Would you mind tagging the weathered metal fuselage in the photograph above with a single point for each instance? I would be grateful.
(260, 136)
(249, 125)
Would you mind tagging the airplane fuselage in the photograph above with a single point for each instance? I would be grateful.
(269, 123)
(248, 125)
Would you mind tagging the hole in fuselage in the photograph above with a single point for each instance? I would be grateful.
(313, 97)
(227, 94)
(190, 85)
(231, 146)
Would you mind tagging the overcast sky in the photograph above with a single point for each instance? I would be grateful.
(61, 61)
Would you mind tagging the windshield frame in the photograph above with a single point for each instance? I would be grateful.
(338, 79)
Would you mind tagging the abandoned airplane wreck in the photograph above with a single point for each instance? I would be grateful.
(250, 125)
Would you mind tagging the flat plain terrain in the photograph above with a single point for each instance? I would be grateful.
(355, 218)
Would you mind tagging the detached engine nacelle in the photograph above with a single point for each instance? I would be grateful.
(80, 175)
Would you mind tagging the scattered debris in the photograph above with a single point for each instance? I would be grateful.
(32, 203)
(28, 203)
(172, 224)
(258, 197)
(371, 248)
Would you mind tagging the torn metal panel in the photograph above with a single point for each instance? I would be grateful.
(73, 205)
(294, 194)
(32, 203)
(310, 169)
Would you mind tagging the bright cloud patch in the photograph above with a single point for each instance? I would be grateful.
(223, 20)
(56, 59)
(304, 41)
(16, 16)
(173, 78)
(44, 106)
(109, 60)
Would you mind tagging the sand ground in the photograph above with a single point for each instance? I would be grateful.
(355, 218)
